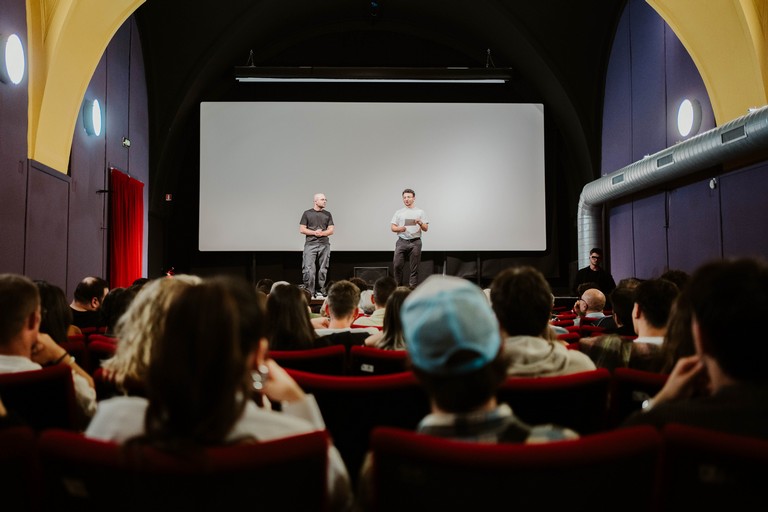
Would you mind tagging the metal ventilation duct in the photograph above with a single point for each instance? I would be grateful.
(740, 138)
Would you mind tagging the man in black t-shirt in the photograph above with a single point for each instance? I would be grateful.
(317, 224)
(594, 273)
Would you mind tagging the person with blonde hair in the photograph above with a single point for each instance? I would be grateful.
(139, 326)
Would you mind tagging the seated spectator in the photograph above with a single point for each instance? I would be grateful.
(265, 285)
(724, 386)
(56, 314)
(24, 348)
(138, 327)
(382, 289)
(207, 371)
(89, 294)
(622, 302)
(653, 299)
(115, 304)
(341, 307)
(391, 336)
(679, 277)
(678, 341)
(458, 356)
(590, 305)
(288, 324)
(522, 301)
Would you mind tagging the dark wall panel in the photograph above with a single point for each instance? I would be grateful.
(622, 253)
(87, 213)
(745, 212)
(650, 236)
(46, 241)
(617, 111)
(13, 148)
(116, 98)
(138, 128)
(694, 226)
(648, 92)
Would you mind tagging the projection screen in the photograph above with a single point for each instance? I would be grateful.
(477, 170)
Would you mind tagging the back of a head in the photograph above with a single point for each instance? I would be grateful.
(198, 373)
(115, 304)
(287, 321)
(265, 285)
(722, 295)
(679, 277)
(343, 298)
(56, 313)
(19, 298)
(392, 326)
(89, 288)
(595, 299)
(382, 289)
(361, 283)
(655, 297)
(622, 302)
(141, 325)
(453, 341)
(522, 301)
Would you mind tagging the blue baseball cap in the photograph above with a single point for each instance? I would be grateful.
(444, 315)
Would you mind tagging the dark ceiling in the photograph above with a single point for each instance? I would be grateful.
(557, 49)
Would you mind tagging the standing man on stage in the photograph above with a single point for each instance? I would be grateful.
(317, 224)
(409, 223)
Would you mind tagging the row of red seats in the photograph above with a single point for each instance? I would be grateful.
(632, 469)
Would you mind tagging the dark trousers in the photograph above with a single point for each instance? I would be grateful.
(320, 255)
(403, 249)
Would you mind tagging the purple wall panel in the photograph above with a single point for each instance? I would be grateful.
(684, 81)
(87, 213)
(617, 111)
(745, 212)
(118, 86)
(13, 148)
(622, 254)
(138, 124)
(694, 226)
(46, 242)
(649, 220)
(648, 91)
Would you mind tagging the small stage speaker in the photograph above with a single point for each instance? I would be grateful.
(371, 274)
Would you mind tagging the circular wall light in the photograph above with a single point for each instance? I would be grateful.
(92, 117)
(688, 117)
(12, 62)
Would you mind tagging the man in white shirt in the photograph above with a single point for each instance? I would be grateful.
(24, 348)
(382, 289)
(409, 223)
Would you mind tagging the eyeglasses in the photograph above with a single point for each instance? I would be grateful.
(596, 257)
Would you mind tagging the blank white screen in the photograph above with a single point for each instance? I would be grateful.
(477, 169)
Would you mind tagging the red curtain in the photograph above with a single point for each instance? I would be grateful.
(126, 228)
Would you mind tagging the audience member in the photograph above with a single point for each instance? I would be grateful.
(595, 273)
(591, 305)
(276, 284)
(458, 356)
(653, 299)
(341, 307)
(115, 304)
(366, 305)
(678, 341)
(56, 320)
(89, 294)
(522, 301)
(138, 283)
(724, 386)
(622, 302)
(679, 277)
(24, 348)
(391, 335)
(265, 285)
(138, 327)
(288, 325)
(207, 360)
(382, 289)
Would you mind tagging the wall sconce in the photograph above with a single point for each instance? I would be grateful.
(92, 117)
(12, 62)
(688, 117)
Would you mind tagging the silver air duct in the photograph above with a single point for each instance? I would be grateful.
(740, 138)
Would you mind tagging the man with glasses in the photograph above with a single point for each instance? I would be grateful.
(595, 273)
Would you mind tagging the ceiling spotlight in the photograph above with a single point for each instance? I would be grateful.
(688, 117)
(12, 63)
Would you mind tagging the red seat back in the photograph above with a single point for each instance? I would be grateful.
(330, 360)
(375, 361)
(629, 388)
(43, 398)
(20, 478)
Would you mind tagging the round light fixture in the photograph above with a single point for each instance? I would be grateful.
(12, 56)
(92, 117)
(688, 117)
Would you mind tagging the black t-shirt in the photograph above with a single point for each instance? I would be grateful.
(84, 319)
(314, 219)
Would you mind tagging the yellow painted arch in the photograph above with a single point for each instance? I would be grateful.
(67, 38)
(727, 41)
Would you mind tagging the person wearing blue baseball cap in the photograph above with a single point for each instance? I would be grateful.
(456, 351)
